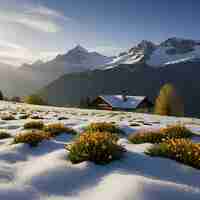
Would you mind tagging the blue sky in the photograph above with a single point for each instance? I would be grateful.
(34, 29)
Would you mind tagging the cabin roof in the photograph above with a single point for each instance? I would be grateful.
(117, 101)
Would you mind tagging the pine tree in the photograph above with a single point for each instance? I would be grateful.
(168, 102)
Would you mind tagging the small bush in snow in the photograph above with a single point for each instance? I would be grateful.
(4, 135)
(181, 150)
(99, 147)
(35, 117)
(58, 128)
(35, 124)
(103, 127)
(7, 117)
(23, 116)
(32, 137)
(160, 135)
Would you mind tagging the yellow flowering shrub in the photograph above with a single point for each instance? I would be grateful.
(103, 127)
(7, 117)
(98, 147)
(35, 117)
(57, 128)
(181, 150)
(34, 124)
(160, 135)
(31, 137)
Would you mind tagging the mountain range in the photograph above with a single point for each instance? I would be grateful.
(173, 50)
(77, 59)
(29, 78)
(141, 70)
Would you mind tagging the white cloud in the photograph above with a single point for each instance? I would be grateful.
(45, 11)
(15, 54)
(11, 61)
(36, 17)
(48, 55)
(9, 45)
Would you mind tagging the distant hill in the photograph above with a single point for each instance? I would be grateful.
(14, 82)
(136, 79)
(29, 78)
(77, 59)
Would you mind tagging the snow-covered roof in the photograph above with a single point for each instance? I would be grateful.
(117, 101)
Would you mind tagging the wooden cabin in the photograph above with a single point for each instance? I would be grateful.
(121, 102)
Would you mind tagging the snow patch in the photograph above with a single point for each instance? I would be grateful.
(44, 172)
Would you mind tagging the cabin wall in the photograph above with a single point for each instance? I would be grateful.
(99, 103)
(145, 104)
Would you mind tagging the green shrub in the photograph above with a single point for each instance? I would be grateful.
(31, 137)
(157, 136)
(4, 135)
(103, 127)
(58, 128)
(181, 150)
(168, 102)
(34, 124)
(35, 99)
(98, 147)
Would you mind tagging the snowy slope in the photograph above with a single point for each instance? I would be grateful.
(171, 51)
(134, 55)
(44, 173)
(160, 58)
(129, 58)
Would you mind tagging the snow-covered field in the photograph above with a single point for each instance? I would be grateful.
(44, 173)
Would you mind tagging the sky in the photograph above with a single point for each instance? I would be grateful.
(41, 29)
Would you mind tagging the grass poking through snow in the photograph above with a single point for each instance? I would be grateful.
(160, 135)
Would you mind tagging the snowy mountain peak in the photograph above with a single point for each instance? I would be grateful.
(135, 55)
(145, 47)
(179, 43)
(173, 50)
(38, 62)
(145, 44)
(76, 51)
(79, 48)
(77, 59)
